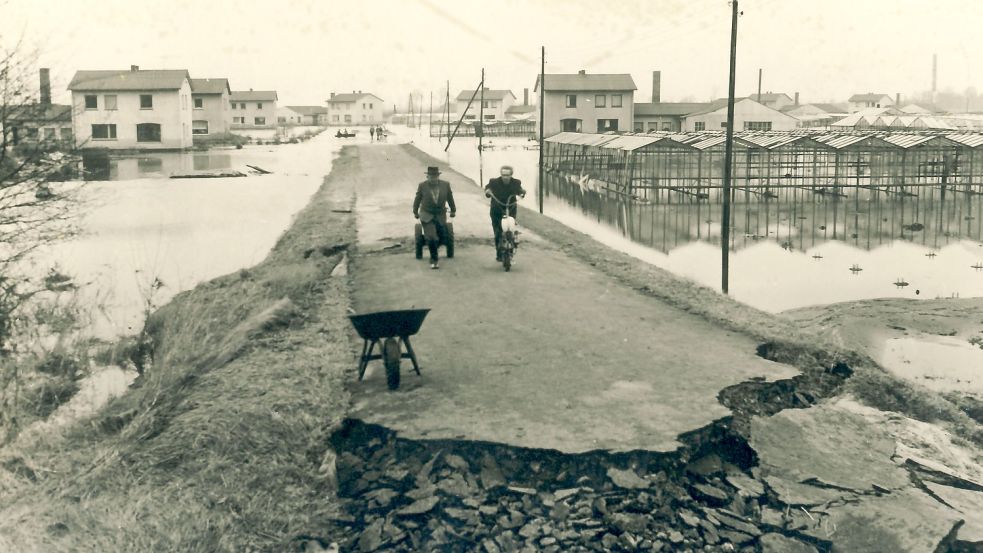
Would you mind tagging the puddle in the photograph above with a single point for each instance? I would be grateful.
(940, 363)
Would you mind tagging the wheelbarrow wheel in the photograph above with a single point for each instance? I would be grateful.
(390, 357)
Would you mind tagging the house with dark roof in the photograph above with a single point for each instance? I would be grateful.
(37, 122)
(210, 107)
(357, 108)
(253, 108)
(583, 102)
(492, 104)
(134, 109)
(858, 102)
(302, 115)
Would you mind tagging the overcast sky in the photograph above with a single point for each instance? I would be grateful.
(305, 49)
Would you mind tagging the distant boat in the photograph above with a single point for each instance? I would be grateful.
(977, 266)
(817, 256)
(930, 254)
(900, 283)
(855, 269)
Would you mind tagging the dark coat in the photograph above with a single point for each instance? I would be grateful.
(504, 193)
(427, 209)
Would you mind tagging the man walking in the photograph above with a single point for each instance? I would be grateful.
(503, 191)
(429, 207)
(372, 133)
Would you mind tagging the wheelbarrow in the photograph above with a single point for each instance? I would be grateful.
(390, 328)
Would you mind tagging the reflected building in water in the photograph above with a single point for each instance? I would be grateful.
(104, 167)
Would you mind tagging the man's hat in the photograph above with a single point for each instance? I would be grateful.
(433, 171)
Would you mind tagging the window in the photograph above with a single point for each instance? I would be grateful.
(616, 100)
(259, 120)
(667, 126)
(470, 117)
(66, 134)
(363, 105)
(723, 124)
(109, 101)
(639, 126)
(570, 125)
(365, 117)
(49, 134)
(571, 100)
(348, 118)
(485, 104)
(699, 126)
(605, 125)
(146, 101)
(757, 125)
(148, 132)
(653, 126)
(370, 106)
(259, 105)
(283, 119)
(600, 101)
(199, 127)
(91, 101)
(32, 133)
(103, 132)
(335, 118)
(239, 120)
(233, 105)
(242, 105)
(490, 117)
(199, 103)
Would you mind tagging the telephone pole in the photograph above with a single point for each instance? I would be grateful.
(728, 154)
(542, 94)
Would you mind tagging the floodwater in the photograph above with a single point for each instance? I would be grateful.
(790, 248)
(142, 227)
(940, 363)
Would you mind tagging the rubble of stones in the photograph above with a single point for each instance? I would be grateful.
(405, 495)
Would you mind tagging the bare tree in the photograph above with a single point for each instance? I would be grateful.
(37, 157)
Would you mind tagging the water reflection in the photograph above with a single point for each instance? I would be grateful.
(106, 167)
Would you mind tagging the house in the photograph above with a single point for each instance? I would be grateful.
(748, 116)
(522, 113)
(858, 102)
(664, 116)
(774, 100)
(492, 104)
(357, 108)
(915, 109)
(253, 108)
(135, 109)
(304, 115)
(41, 122)
(816, 109)
(210, 113)
(587, 103)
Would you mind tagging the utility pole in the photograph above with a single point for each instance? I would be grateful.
(481, 131)
(447, 104)
(542, 94)
(430, 116)
(759, 86)
(728, 154)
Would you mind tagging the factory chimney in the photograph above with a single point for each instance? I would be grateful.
(45, 86)
(656, 87)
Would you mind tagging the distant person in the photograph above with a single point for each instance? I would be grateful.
(503, 191)
(372, 133)
(379, 133)
(432, 195)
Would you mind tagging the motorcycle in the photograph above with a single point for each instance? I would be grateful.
(510, 231)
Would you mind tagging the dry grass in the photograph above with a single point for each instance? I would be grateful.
(218, 446)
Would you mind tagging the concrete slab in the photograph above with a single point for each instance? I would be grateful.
(551, 355)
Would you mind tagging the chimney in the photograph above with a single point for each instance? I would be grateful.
(45, 86)
(525, 96)
(656, 87)
(582, 72)
(796, 98)
(897, 99)
(134, 68)
(332, 94)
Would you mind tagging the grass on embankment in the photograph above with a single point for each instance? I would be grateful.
(219, 446)
(805, 350)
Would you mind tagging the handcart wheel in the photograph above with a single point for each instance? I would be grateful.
(390, 356)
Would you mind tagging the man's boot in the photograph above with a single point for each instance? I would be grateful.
(432, 245)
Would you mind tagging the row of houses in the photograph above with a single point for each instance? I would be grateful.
(151, 109)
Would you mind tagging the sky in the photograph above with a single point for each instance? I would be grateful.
(305, 49)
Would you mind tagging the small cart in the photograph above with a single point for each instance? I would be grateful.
(390, 328)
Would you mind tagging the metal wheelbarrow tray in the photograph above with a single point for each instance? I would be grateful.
(390, 328)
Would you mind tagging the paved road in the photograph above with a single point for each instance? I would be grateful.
(551, 355)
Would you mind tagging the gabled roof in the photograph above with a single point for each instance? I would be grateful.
(769, 97)
(41, 113)
(210, 86)
(832, 108)
(253, 95)
(489, 94)
(715, 105)
(141, 79)
(522, 109)
(669, 108)
(309, 110)
(869, 97)
(354, 97)
(588, 83)
(915, 108)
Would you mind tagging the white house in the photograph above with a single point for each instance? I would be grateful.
(357, 108)
(858, 102)
(135, 109)
(587, 103)
(253, 108)
(492, 104)
(288, 115)
(302, 115)
(210, 108)
(748, 116)
(774, 100)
